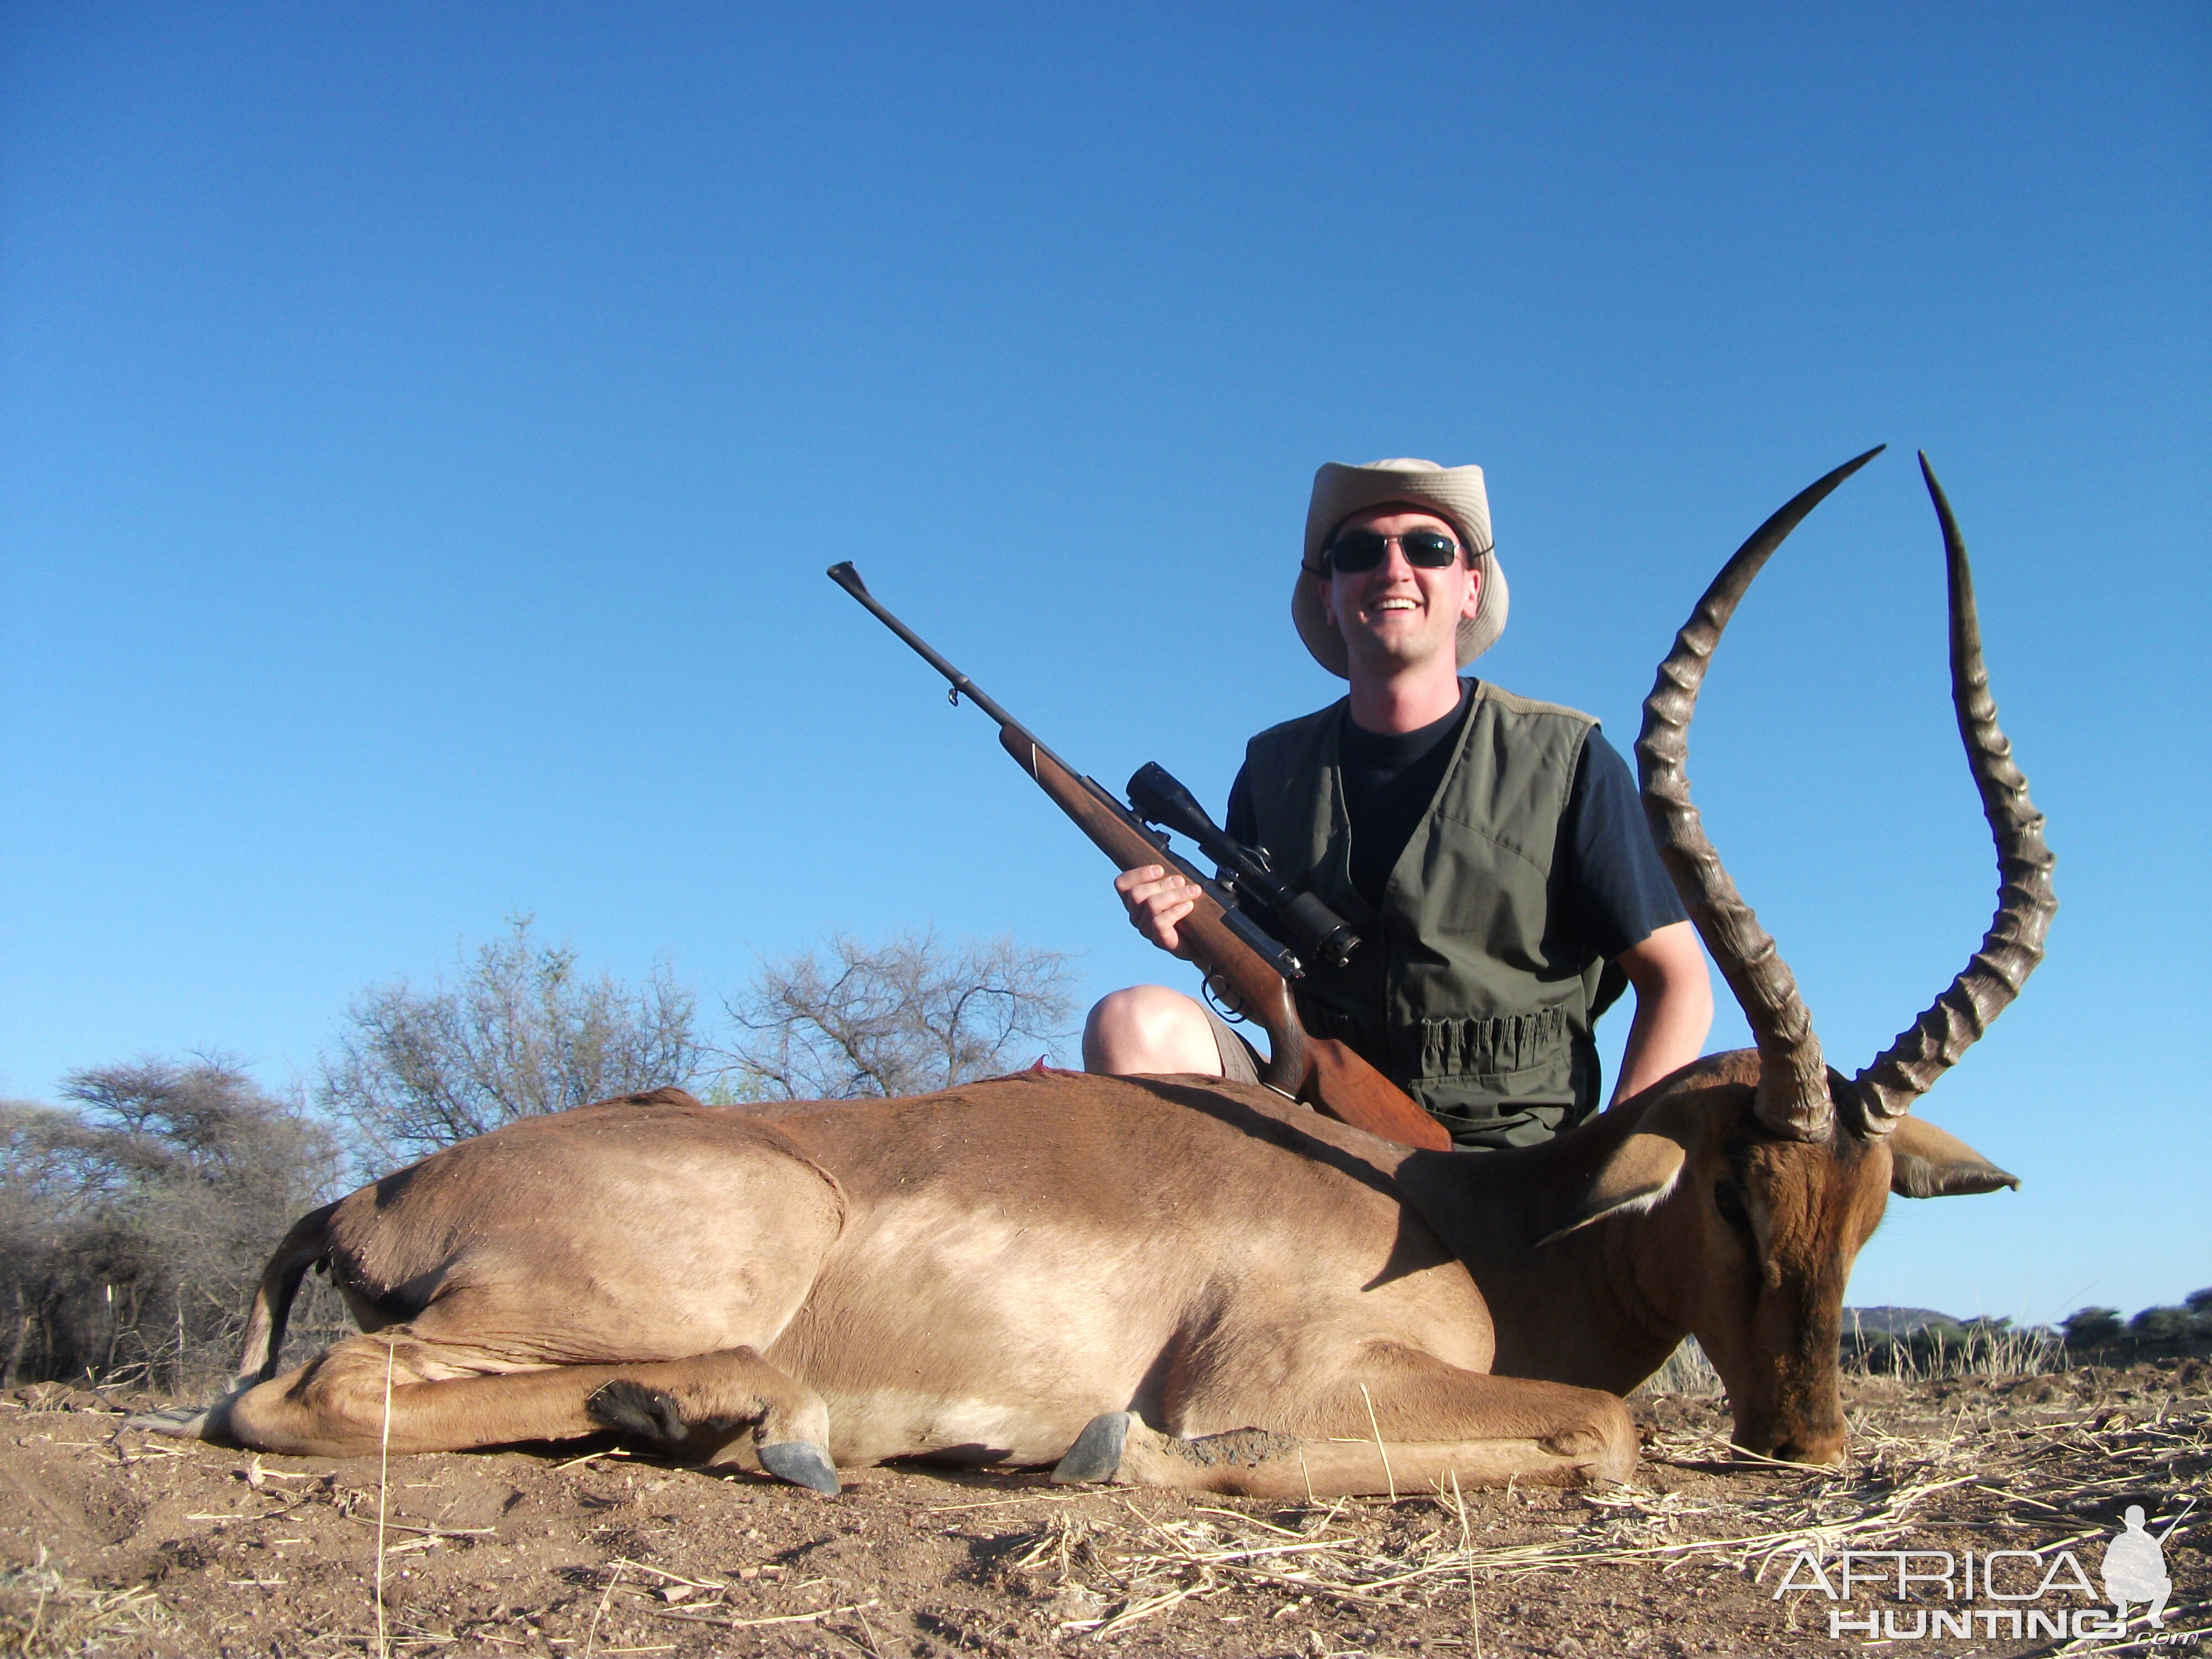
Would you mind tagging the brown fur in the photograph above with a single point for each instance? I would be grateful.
(1602, 1306)
(984, 1275)
(974, 1276)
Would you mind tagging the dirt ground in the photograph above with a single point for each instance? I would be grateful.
(116, 1542)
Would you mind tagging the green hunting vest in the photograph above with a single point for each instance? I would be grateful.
(1450, 995)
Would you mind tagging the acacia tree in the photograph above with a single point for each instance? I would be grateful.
(135, 1220)
(134, 1223)
(520, 1031)
(901, 1018)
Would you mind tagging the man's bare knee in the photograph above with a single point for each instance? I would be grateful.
(1145, 1029)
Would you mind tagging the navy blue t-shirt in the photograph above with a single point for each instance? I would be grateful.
(1608, 889)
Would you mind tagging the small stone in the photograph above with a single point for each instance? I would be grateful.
(1074, 1601)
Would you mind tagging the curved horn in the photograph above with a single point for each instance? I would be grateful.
(2014, 944)
(1793, 1085)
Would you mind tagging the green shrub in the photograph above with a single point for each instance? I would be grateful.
(2161, 1325)
(2092, 1328)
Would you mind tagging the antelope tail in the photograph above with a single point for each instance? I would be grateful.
(303, 1247)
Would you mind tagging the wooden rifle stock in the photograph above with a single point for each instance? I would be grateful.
(1320, 1071)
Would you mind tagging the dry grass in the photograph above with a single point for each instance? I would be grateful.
(672, 1560)
(1978, 1351)
(2056, 1488)
(1687, 1371)
(45, 1612)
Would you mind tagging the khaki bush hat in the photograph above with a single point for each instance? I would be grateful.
(1454, 494)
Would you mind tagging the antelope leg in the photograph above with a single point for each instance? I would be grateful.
(1418, 1421)
(699, 1408)
(1235, 1463)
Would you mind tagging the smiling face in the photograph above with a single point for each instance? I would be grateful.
(1399, 617)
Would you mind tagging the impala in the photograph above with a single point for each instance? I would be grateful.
(1166, 1281)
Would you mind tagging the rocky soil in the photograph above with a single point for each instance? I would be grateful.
(116, 1542)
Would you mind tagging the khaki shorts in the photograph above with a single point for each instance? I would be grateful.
(1240, 1060)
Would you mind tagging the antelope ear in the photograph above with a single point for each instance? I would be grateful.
(1642, 1170)
(1926, 1163)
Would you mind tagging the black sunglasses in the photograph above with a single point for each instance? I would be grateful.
(1358, 551)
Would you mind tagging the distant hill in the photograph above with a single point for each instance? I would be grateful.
(1894, 1322)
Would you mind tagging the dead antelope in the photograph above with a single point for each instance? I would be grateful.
(1171, 1281)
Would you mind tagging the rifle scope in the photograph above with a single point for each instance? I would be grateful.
(1319, 931)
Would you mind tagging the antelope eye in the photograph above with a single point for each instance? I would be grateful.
(1728, 1200)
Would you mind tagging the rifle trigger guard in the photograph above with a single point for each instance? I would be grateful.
(1223, 1005)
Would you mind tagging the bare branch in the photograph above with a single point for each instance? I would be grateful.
(901, 1018)
(133, 1225)
(521, 1032)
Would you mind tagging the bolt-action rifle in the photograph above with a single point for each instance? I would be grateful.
(1250, 971)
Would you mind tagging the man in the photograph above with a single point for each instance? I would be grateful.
(1489, 850)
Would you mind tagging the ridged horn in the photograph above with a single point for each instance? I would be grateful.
(1932, 1044)
(1793, 1087)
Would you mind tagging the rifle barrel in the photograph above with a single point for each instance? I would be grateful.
(1229, 947)
(850, 579)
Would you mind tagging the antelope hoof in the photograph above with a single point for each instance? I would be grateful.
(1097, 1453)
(649, 1413)
(801, 1462)
(185, 1422)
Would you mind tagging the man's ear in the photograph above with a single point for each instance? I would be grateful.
(1926, 1163)
(1473, 602)
(1642, 1171)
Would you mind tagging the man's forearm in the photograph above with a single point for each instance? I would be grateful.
(1674, 1007)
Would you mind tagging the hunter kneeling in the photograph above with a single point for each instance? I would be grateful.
(1490, 850)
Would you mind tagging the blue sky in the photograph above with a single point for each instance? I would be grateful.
(423, 430)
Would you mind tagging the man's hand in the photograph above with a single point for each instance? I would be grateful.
(1157, 900)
